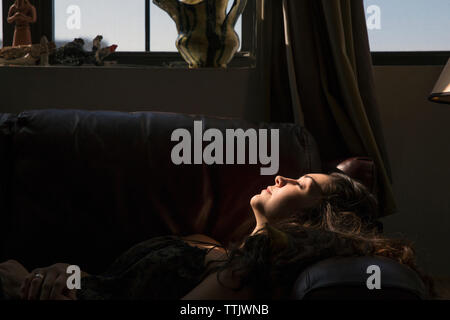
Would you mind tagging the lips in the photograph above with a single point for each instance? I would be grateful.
(268, 190)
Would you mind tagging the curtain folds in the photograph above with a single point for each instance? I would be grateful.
(319, 73)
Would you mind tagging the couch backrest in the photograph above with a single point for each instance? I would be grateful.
(82, 186)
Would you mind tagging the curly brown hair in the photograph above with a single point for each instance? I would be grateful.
(343, 223)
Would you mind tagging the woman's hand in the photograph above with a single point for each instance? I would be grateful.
(48, 284)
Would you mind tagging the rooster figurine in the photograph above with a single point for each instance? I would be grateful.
(73, 53)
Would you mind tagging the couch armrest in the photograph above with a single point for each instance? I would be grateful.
(361, 169)
(346, 277)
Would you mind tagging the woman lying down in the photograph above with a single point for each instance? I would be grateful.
(298, 222)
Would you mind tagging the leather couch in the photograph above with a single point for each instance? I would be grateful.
(83, 186)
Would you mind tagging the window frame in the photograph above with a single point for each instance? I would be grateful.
(410, 58)
(246, 57)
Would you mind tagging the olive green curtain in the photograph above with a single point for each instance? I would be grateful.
(318, 72)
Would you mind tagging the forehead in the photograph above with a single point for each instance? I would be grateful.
(319, 180)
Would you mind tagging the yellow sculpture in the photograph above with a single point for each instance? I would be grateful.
(206, 36)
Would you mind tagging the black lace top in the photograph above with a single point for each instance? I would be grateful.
(160, 268)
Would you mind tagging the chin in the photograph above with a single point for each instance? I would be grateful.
(254, 200)
(257, 203)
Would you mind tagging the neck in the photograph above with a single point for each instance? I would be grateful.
(261, 221)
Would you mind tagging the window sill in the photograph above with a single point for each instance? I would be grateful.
(159, 61)
(125, 66)
(173, 60)
(419, 58)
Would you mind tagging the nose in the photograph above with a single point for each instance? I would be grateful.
(280, 181)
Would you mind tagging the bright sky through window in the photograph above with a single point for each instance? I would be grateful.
(120, 22)
(408, 25)
(393, 25)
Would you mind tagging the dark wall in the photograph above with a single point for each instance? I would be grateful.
(227, 93)
(417, 134)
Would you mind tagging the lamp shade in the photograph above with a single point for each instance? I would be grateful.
(441, 91)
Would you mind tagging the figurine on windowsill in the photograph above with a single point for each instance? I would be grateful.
(22, 13)
(73, 53)
(44, 52)
(27, 55)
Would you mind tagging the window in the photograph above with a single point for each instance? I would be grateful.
(144, 33)
(119, 22)
(408, 26)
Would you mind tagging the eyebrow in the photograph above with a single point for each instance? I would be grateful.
(315, 184)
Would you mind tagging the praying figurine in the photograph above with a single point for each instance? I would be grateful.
(22, 13)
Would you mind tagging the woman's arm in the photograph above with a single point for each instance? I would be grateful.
(211, 289)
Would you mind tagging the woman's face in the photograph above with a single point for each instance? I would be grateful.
(288, 196)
